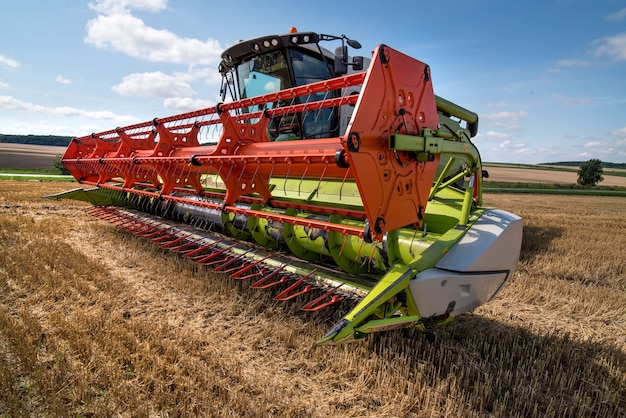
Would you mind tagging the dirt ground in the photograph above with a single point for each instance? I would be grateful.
(525, 175)
(98, 322)
(28, 156)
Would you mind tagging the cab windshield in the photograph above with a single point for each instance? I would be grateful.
(283, 69)
(263, 74)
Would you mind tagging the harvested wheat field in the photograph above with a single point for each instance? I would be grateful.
(20, 156)
(94, 322)
(528, 175)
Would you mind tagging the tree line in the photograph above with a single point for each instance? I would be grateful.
(604, 164)
(51, 140)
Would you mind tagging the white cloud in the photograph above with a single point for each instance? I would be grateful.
(619, 133)
(120, 31)
(515, 146)
(62, 80)
(112, 6)
(619, 15)
(619, 139)
(186, 103)
(505, 119)
(53, 126)
(583, 101)
(499, 104)
(592, 144)
(11, 103)
(9, 62)
(209, 74)
(613, 47)
(568, 101)
(507, 151)
(155, 84)
(115, 28)
(606, 149)
(4, 85)
(492, 136)
(572, 63)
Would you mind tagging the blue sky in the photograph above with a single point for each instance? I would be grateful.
(547, 77)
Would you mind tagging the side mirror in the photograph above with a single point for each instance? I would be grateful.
(341, 55)
(357, 63)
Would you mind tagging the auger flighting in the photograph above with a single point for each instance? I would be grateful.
(325, 177)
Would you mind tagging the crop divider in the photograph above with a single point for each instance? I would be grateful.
(265, 283)
(232, 260)
(287, 293)
(206, 261)
(165, 236)
(315, 304)
(168, 244)
(102, 212)
(236, 275)
(260, 272)
(184, 247)
(196, 254)
(156, 232)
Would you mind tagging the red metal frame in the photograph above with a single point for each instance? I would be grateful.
(396, 96)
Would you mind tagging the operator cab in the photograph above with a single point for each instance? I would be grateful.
(272, 63)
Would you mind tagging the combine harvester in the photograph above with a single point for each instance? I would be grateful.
(325, 178)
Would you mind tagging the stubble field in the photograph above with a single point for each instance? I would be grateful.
(94, 322)
(20, 156)
(529, 175)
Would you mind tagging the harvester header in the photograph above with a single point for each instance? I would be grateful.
(318, 178)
